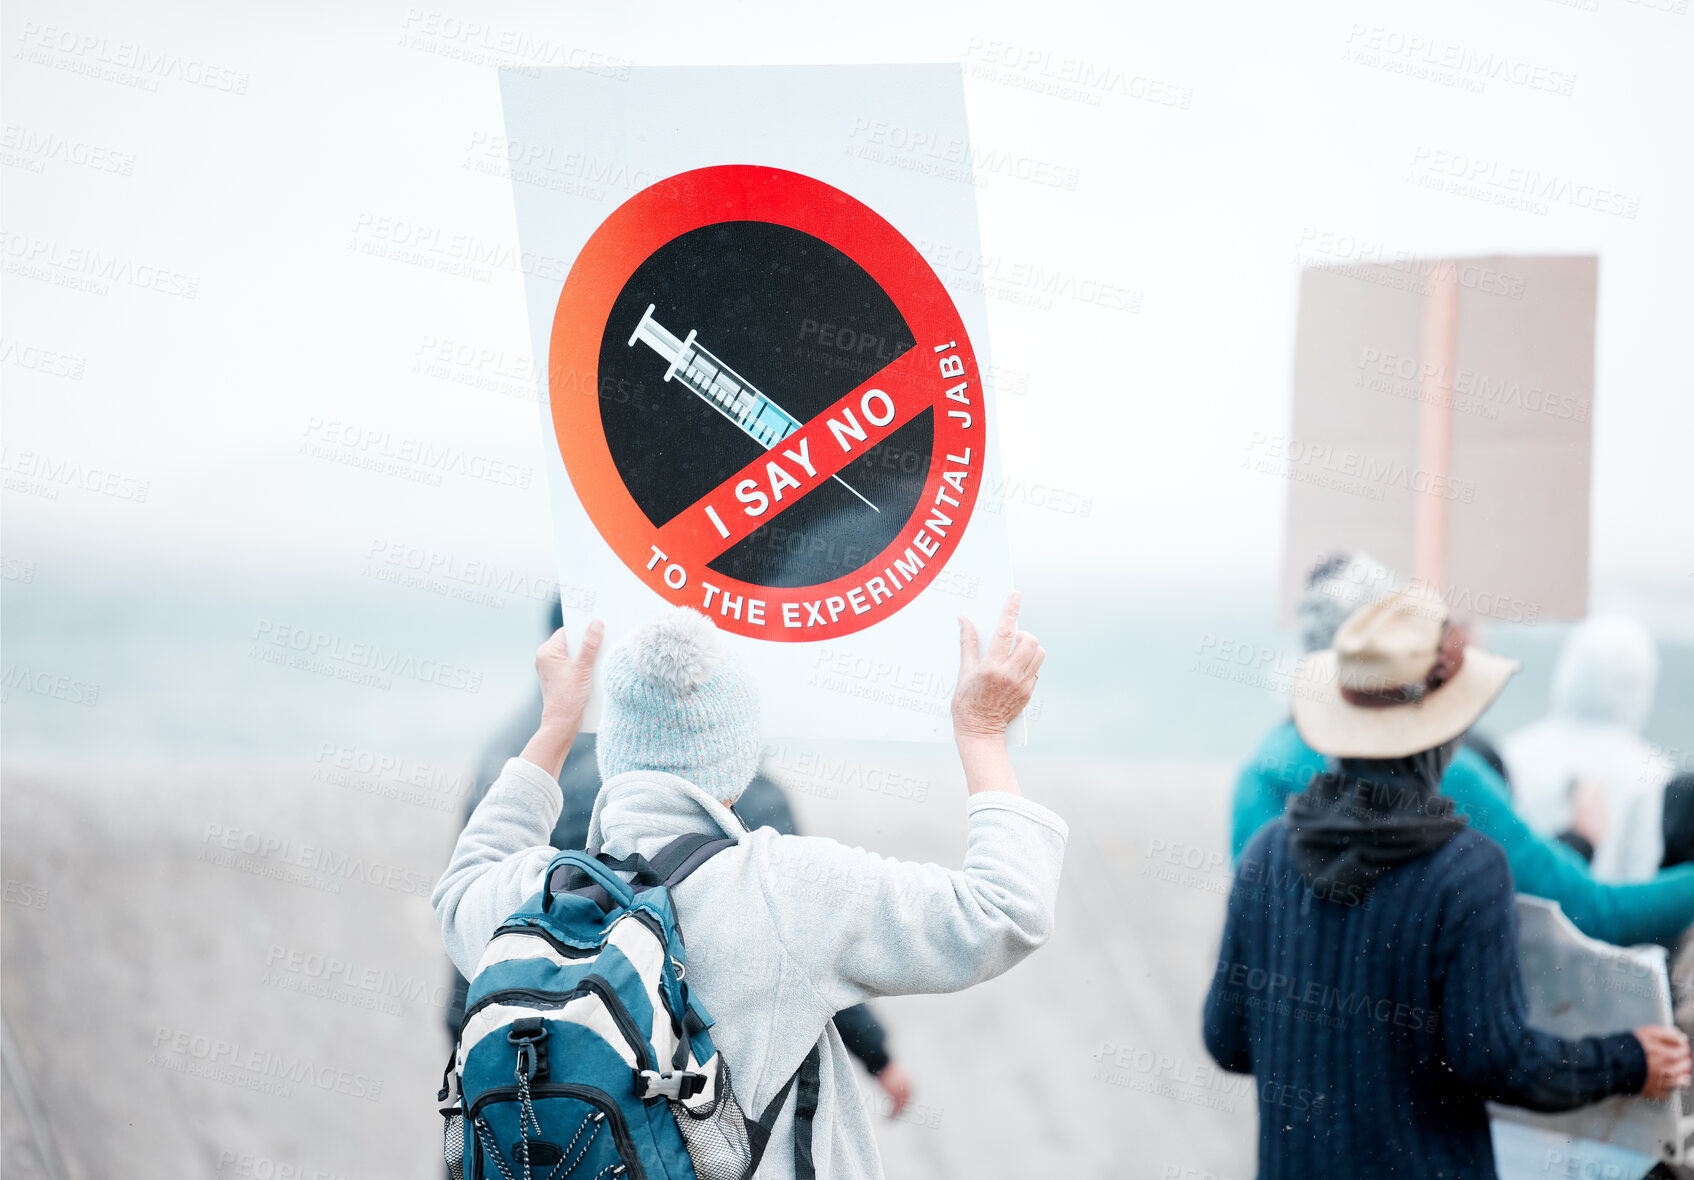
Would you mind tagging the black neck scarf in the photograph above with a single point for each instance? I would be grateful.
(1369, 815)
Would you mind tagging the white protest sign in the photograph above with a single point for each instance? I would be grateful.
(760, 399)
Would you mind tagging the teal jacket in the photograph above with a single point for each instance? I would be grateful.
(1652, 911)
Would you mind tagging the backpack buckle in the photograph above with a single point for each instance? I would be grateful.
(677, 1086)
(527, 1034)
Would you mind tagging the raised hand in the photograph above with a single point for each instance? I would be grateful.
(566, 680)
(994, 685)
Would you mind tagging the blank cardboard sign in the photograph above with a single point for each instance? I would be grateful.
(1441, 423)
(1581, 987)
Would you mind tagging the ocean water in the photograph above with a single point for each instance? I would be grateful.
(196, 666)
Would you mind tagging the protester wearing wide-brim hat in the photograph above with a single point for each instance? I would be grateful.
(1392, 928)
(1284, 765)
(1402, 677)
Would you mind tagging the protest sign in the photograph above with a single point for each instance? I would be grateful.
(760, 400)
(1580, 987)
(1441, 422)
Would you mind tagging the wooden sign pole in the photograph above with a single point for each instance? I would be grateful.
(1435, 427)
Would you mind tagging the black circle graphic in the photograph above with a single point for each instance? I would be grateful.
(804, 324)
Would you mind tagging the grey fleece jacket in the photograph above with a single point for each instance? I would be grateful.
(783, 931)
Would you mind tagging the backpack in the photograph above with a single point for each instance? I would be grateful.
(582, 1054)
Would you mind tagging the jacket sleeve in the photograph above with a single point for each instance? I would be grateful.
(1650, 911)
(498, 863)
(1624, 915)
(858, 925)
(1257, 803)
(1225, 1025)
(1485, 1032)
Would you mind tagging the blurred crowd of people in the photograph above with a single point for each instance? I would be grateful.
(1369, 974)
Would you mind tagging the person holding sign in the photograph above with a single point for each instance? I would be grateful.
(1368, 975)
(783, 931)
(763, 804)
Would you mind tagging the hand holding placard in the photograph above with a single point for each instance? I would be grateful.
(993, 688)
(1667, 1053)
(566, 681)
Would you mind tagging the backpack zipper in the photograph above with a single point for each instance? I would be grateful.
(552, 999)
(622, 1018)
(537, 996)
(564, 948)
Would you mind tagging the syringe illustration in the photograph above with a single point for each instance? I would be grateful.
(722, 388)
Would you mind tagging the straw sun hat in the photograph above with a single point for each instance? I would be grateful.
(1400, 679)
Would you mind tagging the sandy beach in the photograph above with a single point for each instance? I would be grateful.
(235, 972)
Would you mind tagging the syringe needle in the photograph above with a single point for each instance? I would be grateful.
(722, 388)
(855, 491)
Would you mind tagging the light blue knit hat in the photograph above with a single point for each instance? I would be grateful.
(677, 702)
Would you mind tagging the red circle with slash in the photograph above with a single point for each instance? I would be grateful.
(939, 372)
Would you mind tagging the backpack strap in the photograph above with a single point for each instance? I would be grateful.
(683, 855)
(671, 864)
(599, 875)
(805, 1110)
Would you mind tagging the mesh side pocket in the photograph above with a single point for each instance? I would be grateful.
(716, 1134)
(453, 1143)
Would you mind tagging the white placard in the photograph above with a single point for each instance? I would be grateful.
(732, 284)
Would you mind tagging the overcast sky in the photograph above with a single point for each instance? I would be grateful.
(1192, 156)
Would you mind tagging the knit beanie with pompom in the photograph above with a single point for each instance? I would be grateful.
(676, 701)
(1335, 588)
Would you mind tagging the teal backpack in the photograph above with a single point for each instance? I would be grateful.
(582, 1055)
